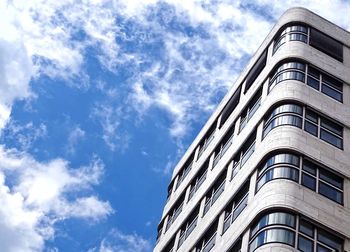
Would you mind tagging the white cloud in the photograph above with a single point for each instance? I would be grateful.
(24, 135)
(117, 241)
(76, 135)
(38, 196)
(185, 81)
(110, 118)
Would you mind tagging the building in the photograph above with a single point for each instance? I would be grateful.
(270, 170)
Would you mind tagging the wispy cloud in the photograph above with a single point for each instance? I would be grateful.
(117, 241)
(110, 118)
(24, 136)
(76, 135)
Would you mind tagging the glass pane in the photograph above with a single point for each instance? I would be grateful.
(309, 167)
(298, 37)
(298, 28)
(312, 116)
(304, 244)
(322, 249)
(277, 235)
(330, 192)
(312, 82)
(278, 173)
(306, 228)
(332, 139)
(333, 127)
(308, 181)
(332, 92)
(311, 128)
(239, 208)
(314, 72)
(329, 239)
(284, 158)
(279, 218)
(332, 82)
(331, 178)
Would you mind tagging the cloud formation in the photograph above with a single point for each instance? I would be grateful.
(37, 196)
(117, 241)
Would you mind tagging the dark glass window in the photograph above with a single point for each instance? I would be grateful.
(305, 245)
(256, 70)
(308, 181)
(306, 228)
(198, 179)
(311, 128)
(230, 106)
(224, 144)
(236, 247)
(250, 109)
(207, 242)
(330, 131)
(206, 140)
(331, 178)
(330, 192)
(189, 225)
(170, 246)
(236, 206)
(326, 44)
(215, 191)
(330, 240)
(185, 169)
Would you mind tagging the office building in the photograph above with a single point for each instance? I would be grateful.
(270, 170)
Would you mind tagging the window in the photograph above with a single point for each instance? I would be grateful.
(288, 71)
(303, 72)
(330, 185)
(159, 230)
(175, 211)
(250, 109)
(323, 128)
(215, 191)
(236, 246)
(206, 140)
(188, 226)
(286, 114)
(277, 227)
(280, 227)
(230, 106)
(284, 165)
(291, 33)
(315, 124)
(198, 179)
(224, 144)
(287, 166)
(170, 190)
(185, 170)
(236, 206)
(170, 246)
(242, 155)
(325, 83)
(255, 70)
(207, 242)
(326, 44)
(311, 36)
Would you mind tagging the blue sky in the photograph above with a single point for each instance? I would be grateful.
(100, 99)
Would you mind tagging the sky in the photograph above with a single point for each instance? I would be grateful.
(100, 99)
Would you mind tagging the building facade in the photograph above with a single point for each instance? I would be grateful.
(270, 170)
